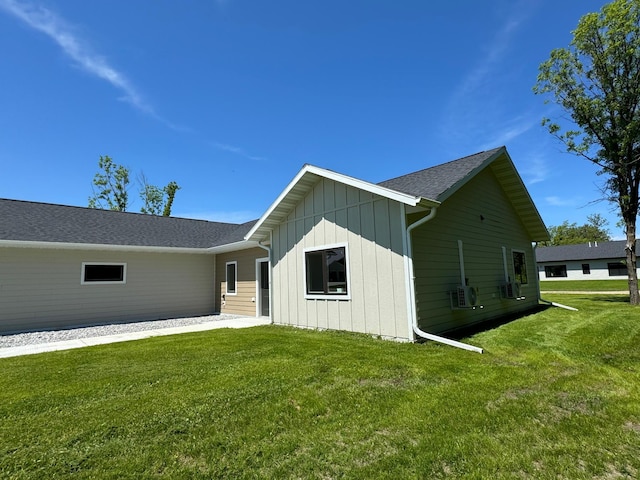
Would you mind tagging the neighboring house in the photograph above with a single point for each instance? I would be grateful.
(421, 254)
(589, 261)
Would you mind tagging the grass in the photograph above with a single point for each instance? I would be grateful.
(555, 396)
(584, 285)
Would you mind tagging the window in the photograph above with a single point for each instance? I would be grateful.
(586, 269)
(617, 269)
(326, 272)
(520, 267)
(231, 279)
(104, 273)
(553, 271)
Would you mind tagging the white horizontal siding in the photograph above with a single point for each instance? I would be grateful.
(41, 288)
(599, 270)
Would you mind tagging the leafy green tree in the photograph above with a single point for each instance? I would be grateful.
(110, 186)
(170, 191)
(596, 81)
(572, 233)
(157, 201)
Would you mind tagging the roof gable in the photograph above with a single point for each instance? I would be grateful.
(428, 187)
(43, 222)
(304, 181)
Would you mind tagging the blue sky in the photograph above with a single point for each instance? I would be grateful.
(230, 98)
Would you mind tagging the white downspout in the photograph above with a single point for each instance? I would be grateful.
(411, 296)
(268, 249)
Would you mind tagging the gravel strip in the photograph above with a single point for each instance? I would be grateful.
(49, 336)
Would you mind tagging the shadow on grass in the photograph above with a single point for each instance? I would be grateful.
(486, 325)
(609, 298)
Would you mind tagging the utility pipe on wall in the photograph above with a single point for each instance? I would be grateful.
(411, 304)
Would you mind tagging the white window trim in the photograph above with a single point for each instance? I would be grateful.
(119, 282)
(516, 250)
(226, 280)
(315, 296)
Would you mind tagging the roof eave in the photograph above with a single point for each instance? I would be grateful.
(306, 178)
(100, 246)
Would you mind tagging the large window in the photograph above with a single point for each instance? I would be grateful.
(520, 267)
(326, 272)
(586, 269)
(104, 273)
(617, 269)
(232, 278)
(554, 271)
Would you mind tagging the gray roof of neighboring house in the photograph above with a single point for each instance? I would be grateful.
(44, 222)
(585, 251)
(435, 181)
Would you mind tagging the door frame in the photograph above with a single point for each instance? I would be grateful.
(259, 262)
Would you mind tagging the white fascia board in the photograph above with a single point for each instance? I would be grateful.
(233, 247)
(403, 198)
(103, 247)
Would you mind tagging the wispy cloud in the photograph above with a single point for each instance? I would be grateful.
(475, 109)
(555, 201)
(237, 151)
(56, 28)
(536, 170)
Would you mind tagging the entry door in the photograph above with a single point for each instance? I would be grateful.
(263, 287)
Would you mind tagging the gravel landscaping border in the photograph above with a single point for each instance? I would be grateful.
(49, 336)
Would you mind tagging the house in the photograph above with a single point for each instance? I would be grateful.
(589, 261)
(418, 255)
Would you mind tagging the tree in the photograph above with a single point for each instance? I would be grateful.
(110, 186)
(157, 200)
(170, 190)
(596, 80)
(572, 234)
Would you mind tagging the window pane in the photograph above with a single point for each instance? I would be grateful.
(552, 271)
(336, 270)
(315, 274)
(618, 269)
(231, 278)
(586, 269)
(104, 273)
(520, 267)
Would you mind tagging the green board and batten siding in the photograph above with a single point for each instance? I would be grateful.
(334, 213)
(480, 215)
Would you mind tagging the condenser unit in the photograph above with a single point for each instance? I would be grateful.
(465, 297)
(511, 290)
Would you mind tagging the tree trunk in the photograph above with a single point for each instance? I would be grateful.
(630, 248)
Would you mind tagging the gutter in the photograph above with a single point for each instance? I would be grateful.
(411, 290)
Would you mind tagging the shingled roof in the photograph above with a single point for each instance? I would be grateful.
(43, 222)
(434, 182)
(584, 251)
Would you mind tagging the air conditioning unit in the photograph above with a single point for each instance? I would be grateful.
(466, 297)
(511, 290)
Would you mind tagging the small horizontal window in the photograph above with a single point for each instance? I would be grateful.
(617, 269)
(104, 272)
(555, 271)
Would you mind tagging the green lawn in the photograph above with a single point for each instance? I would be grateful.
(555, 396)
(584, 285)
